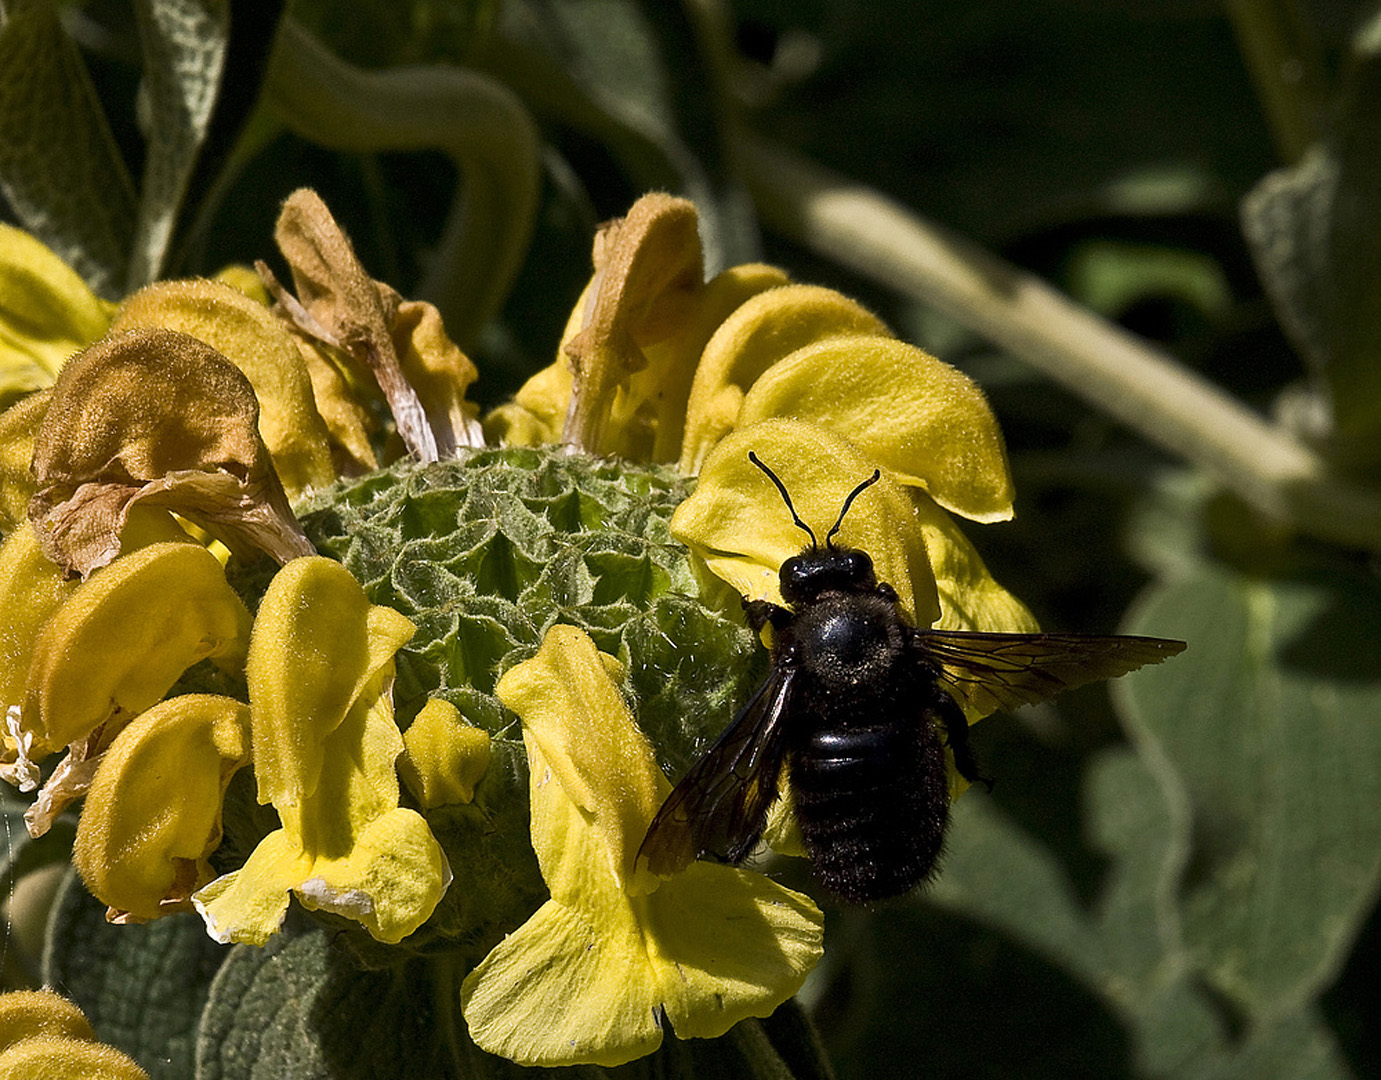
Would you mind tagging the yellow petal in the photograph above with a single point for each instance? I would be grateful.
(581, 981)
(317, 642)
(253, 339)
(762, 331)
(445, 757)
(244, 279)
(728, 944)
(120, 641)
(346, 847)
(153, 811)
(567, 987)
(438, 370)
(18, 426)
(26, 1013)
(247, 905)
(71, 1059)
(573, 713)
(647, 417)
(923, 421)
(969, 597)
(47, 312)
(737, 523)
(32, 588)
(343, 408)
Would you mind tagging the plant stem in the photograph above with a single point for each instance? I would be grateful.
(1286, 66)
(1113, 369)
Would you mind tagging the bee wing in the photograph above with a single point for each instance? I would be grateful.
(721, 804)
(1001, 671)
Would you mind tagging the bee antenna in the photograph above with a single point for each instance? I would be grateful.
(829, 536)
(787, 498)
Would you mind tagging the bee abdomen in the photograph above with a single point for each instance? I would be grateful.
(872, 803)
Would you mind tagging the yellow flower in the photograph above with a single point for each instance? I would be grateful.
(320, 675)
(43, 1036)
(588, 977)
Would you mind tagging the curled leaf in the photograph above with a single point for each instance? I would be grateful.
(155, 416)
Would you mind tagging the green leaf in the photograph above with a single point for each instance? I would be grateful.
(300, 1008)
(1267, 726)
(59, 166)
(184, 44)
(142, 986)
(1315, 232)
(1118, 991)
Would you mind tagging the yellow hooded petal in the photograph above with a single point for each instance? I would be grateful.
(256, 341)
(153, 811)
(317, 642)
(27, 1013)
(573, 712)
(445, 757)
(737, 523)
(18, 426)
(346, 847)
(762, 331)
(47, 313)
(923, 421)
(119, 642)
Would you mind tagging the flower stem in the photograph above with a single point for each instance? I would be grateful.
(1285, 61)
(1116, 371)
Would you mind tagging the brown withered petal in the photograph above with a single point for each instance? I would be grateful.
(339, 304)
(649, 272)
(156, 416)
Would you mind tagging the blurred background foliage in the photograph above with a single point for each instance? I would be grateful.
(1175, 880)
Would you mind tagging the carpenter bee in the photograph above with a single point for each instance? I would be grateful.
(858, 709)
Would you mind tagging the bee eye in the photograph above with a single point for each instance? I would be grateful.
(860, 564)
(793, 575)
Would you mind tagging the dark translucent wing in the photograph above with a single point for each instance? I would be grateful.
(721, 804)
(1002, 671)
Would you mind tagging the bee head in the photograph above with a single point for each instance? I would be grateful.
(818, 570)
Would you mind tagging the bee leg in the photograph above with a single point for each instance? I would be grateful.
(956, 727)
(761, 612)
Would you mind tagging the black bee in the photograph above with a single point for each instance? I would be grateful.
(860, 707)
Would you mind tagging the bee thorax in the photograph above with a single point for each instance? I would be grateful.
(843, 647)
